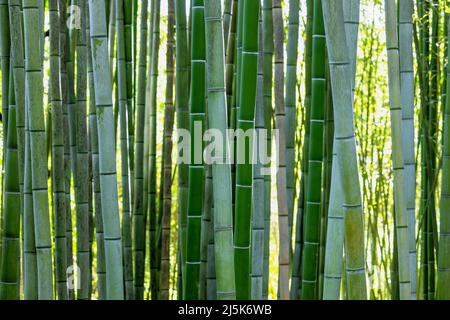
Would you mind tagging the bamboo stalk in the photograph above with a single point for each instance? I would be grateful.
(107, 165)
(221, 169)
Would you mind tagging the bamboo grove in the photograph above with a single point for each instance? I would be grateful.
(233, 149)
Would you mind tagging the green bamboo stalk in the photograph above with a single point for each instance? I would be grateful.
(315, 159)
(123, 124)
(290, 105)
(138, 202)
(93, 135)
(226, 20)
(18, 67)
(346, 148)
(152, 105)
(406, 9)
(443, 290)
(82, 158)
(10, 258)
(268, 47)
(211, 281)
(258, 201)
(30, 273)
(182, 109)
(335, 229)
(5, 51)
(247, 76)
(168, 143)
(129, 68)
(59, 197)
(230, 58)
(397, 154)
(107, 165)
(205, 236)
(33, 69)
(284, 252)
(66, 83)
(221, 169)
(196, 166)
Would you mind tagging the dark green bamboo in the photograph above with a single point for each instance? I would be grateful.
(58, 184)
(196, 166)
(138, 202)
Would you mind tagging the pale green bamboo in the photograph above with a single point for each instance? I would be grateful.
(107, 165)
(346, 148)
(33, 70)
(406, 10)
(221, 168)
(335, 229)
(93, 135)
(397, 154)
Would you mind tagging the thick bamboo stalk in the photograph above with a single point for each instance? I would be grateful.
(315, 159)
(18, 67)
(221, 168)
(10, 258)
(346, 148)
(244, 159)
(335, 228)
(34, 92)
(107, 165)
(93, 135)
(406, 9)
